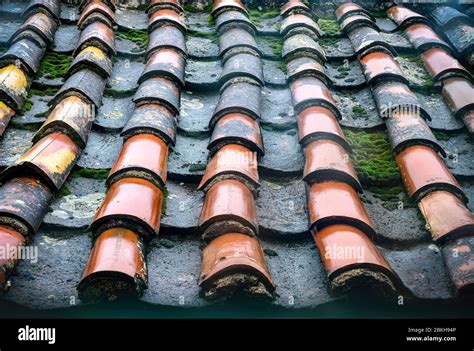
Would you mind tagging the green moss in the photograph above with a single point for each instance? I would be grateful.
(43, 92)
(91, 173)
(359, 111)
(209, 35)
(282, 67)
(53, 65)
(378, 14)
(329, 42)
(392, 197)
(195, 167)
(26, 107)
(329, 27)
(64, 191)
(372, 156)
(193, 9)
(420, 72)
(442, 136)
(257, 16)
(139, 37)
(210, 20)
(275, 44)
(165, 200)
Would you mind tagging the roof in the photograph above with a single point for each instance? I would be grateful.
(300, 162)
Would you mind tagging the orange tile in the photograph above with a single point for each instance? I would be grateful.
(337, 203)
(72, 116)
(305, 66)
(133, 203)
(299, 21)
(295, 6)
(381, 65)
(348, 24)
(166, 17)
(316, 123)
(423, 37)
(142, 156)
(221, 5)
(446, 216)
(116, 266)
(232, 161)
(423, 171)
(10, 243)
(440, 64)
(352, 261)
(348, 9)
(156, 5)
(403, 16)
(459, 95)
(310, 91)
(51, 158)
(229, 206)
(99, 35)
(327, 160)
(343, 246)
(99, 7)
(6, 113)
(234, 253)
(165, 63)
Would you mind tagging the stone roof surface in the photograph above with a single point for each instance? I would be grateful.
(184, 154)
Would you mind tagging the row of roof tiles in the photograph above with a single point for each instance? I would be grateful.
(233, 259)
(337, 215)
(425, 175)
(59, 142)
(130, 214)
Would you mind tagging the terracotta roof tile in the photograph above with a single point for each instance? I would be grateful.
(72, 116)
(355, 21)
(9, 239)
(166, 63)
(142, 156)
(39, 23)
(27, 53)
(51, 159)
(446, 216)
(166, 37)
(234, 19)
(111, 3)
(301, 45)
(294, 6)
(13, 86)
(242, 65)
(132, 203)
(93, 58)
(99, 35)
(350, 9)
(237, 39)
(233, 253)
(156, 5)
(85, 84)
(423, 172)
(422, 37)
(151, 119)
(116, 264)
(406, 129)
(164, 18)
(238, 97)
(48, 7)
(231, 161)
(404, 16)
(366, 39)
(378, 66)
(6, 113)
(309, 91)
(316, 123)
(96, 17)
(392, 96)
(334, 202)
(326, 160)
(236, 128)
(31, 36)
(441, 65)
(458, 256)
(459, 94)
(159, 90)
(305, 66)
(225, 5)
(24, 202)
(364, 269)
(229, 207)
(97, 7)
(295, 22)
